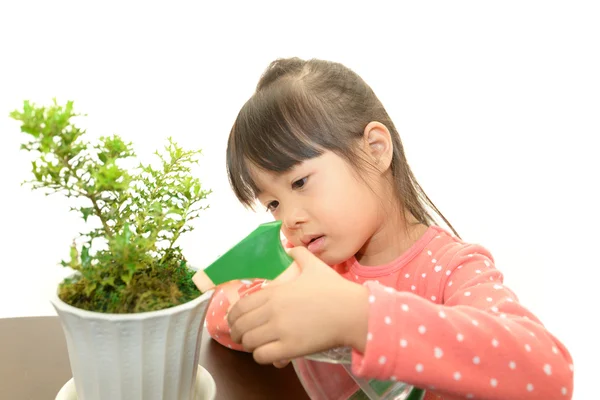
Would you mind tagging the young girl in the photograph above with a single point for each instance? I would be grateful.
(317, 149)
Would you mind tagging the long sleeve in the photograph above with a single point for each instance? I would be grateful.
(465, 334)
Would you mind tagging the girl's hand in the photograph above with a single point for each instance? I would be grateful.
(308, 309)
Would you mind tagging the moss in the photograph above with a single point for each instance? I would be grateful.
(153, 288)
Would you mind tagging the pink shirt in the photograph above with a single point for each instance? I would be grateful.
(440, 319)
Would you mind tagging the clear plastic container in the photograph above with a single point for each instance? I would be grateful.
(328, 376)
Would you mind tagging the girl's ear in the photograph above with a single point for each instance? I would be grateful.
(378, 144)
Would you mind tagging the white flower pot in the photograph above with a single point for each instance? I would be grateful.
(141, 356)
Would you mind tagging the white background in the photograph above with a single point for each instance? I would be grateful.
(497, 103)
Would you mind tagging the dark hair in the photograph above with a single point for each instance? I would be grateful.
(301, 108)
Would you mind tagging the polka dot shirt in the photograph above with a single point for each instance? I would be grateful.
(440, 318)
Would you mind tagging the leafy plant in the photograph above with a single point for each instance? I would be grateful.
(128, 260)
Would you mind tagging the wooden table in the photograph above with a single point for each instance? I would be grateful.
(34, 365)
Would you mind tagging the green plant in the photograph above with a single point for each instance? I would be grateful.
(128, 261)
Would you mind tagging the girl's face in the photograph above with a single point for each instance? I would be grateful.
(323, 205)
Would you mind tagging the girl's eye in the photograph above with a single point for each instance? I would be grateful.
(272, 206)
(299, 183)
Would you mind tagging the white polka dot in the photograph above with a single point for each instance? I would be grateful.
(442, 314)
(450, 283)
(476, 360)
(382, 360)
(403, 343)
(467, 294)
(470, 255)
(434, 260)
(437, 268)
(221, 303)
(532, 334)
(460, 337)
(419, 367)
(422, 329)
(502, 315)
(423, 274)
(494, 309)
(459, 267)
(389, 290)
(548, 369)
(404, 307)
(356, 276)
(437, 352)
(477, 271)
(493, 382)
(222, 291)
(475, 322)
(371, 299)
(554, 349)
(388, 320)
(510, 300)
(428, 252)
(457, 376)
(407, 276)
(369, 336)
(448, 273)
(433, 298)
(213, 313)
(527, 347)
(486, 262)
(491, 278)
(216, 336)
(497, 287)
(507, 328)
(530, 387)
(512, 365)
(489, 299)
(564, 391)
(413, 288)
(495, 342)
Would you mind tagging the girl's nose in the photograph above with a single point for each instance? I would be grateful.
(294, 218)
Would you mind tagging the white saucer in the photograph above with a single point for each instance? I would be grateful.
(206, 388)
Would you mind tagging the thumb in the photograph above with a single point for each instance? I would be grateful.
(302, 260)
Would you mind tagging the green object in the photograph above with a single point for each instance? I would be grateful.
(416, 394)
(258, 255)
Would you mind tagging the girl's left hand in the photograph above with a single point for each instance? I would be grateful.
(301, 313)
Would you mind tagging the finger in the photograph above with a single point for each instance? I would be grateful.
(271, 353)
(257, 337)
(290, 273)
(281, 364)
(246, 304)
(303, 257)
(247, 322)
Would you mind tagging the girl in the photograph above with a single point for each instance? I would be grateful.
(317, 149)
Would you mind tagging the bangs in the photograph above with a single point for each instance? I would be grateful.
(278, 128)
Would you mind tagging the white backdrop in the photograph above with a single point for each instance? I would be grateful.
(497, 104)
